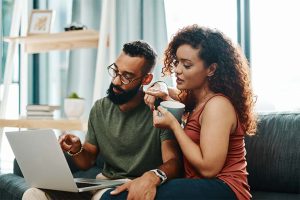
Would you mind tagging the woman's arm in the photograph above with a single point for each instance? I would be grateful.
(218, 120)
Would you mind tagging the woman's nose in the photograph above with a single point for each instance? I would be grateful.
(178, 69)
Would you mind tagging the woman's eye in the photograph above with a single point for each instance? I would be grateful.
(187, 66)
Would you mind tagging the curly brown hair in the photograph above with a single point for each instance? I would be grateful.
(231, 77)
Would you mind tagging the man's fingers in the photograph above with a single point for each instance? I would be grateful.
(119, 189)
(65, 146)
(66, 141)
(74, 139)
(61, 138)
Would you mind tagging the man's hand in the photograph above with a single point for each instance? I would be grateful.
(142, 188)
(69, 142)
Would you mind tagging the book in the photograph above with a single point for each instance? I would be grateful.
(39, 117)
(39, 113)
(41, 107)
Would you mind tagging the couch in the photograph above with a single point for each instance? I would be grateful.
(273, 157)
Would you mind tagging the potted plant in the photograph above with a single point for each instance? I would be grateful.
(74, 106)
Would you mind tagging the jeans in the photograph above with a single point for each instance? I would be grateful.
(186, 189)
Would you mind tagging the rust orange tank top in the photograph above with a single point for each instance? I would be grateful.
(234, 172)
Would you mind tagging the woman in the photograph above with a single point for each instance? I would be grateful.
(213, 82)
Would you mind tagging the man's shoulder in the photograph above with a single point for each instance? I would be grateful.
(102, 103)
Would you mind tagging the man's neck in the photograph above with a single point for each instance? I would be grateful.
(133, 103)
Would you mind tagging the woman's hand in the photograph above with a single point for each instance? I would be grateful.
(158, 90)
(162, 118)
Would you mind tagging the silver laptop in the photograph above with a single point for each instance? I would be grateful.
(44, 165)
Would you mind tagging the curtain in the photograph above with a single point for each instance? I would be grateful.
(143, 19)
(82, 62)
(81, 70)
(134, 20)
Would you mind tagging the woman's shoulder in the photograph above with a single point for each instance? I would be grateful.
(219, 103)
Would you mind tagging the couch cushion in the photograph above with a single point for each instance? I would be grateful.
(273, 155)
(259, 195)
(12, 186)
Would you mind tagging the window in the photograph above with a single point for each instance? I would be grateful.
(275, 51)
(221, 15)
(6, 156)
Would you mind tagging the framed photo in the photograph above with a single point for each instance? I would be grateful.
(40, 22)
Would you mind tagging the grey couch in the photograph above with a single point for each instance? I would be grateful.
(273, 157)
(273, 161)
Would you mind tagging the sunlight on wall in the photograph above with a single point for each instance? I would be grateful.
(275, 54)
(7, 155)
(274, 45)
(204, 13)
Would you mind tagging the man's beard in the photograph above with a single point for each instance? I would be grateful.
(124, 96)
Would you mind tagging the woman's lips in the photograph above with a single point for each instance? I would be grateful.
(179, 81)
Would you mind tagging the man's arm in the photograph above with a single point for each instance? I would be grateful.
(84, 155)
(144, 187)
(171, 159)
(87, 157)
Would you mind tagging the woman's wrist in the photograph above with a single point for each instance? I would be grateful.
(175, 125)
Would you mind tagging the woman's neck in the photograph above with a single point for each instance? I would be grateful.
(202, 95)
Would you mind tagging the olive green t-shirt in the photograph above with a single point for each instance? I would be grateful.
(128, 142)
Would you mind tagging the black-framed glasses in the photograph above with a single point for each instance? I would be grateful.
(114, 72)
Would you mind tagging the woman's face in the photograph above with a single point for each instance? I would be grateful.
(190, 70)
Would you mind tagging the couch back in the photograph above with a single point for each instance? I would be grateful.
(273, 155)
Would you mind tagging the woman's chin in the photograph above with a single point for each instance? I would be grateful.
(180, 87)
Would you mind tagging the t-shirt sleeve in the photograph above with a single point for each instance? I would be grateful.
(166, 134)
(91, 135)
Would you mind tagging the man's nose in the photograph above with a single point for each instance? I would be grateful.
(117, 80)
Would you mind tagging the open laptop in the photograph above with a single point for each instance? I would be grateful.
(44, 165)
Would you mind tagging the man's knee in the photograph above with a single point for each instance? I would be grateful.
(34, 193)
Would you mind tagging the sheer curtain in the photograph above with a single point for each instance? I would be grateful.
(134, 20)
(82, 62)
(60, 73)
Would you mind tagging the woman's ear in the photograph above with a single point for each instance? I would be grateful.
(212, 69)
(147, 79)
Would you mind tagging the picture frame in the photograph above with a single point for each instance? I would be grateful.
(40, 22)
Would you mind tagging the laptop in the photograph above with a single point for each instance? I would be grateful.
(44, 165)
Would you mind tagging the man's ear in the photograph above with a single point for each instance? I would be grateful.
(212, 69)
(147, 79)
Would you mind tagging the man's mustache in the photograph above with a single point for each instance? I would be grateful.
(118, 88)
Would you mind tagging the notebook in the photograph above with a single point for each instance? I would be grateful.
(44, 165)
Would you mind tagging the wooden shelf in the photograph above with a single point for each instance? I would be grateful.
(61, 124)
(57, 41)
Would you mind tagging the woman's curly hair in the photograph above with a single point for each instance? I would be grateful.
(231, 77)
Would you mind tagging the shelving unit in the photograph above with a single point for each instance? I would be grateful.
(57, 41)
(37, 44)
(61, 124)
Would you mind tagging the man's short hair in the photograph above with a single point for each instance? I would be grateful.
(141, 49)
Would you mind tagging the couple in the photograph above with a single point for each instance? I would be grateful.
(213, 82)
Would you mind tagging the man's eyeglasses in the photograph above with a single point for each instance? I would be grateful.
(113, 72)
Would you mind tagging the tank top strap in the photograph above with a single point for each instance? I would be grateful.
(200, 110)
(196, 115)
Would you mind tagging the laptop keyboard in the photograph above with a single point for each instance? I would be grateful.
(82, 185)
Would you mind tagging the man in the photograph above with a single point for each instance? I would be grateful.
(120, 129)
